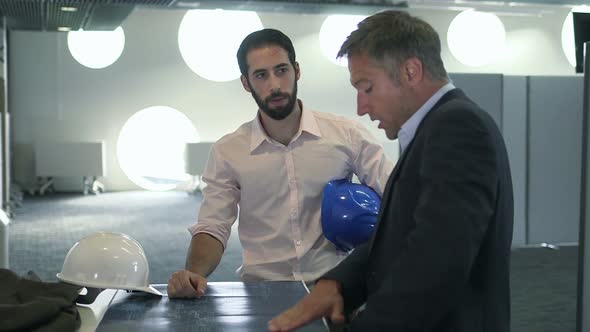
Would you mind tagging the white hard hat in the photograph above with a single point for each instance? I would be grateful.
(107, 260)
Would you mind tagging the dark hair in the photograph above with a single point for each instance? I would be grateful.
(261, 38)
(391, 37)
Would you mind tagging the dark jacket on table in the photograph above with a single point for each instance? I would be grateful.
(439, 258)
(28, 304)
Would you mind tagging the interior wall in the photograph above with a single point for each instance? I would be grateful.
(555, 158)
(53, 97)
(515, 131)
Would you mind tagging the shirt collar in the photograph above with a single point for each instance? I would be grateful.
(307, 123)
(408, 130)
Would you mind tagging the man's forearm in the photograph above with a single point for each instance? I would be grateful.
(204, 254)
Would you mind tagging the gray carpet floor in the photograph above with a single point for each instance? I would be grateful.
(44, 229)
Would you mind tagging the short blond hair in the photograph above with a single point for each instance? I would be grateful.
(390, 37)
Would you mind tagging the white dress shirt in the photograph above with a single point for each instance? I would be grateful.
(408, 130)
(278, 190)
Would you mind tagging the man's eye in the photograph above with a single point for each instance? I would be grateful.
(369, 89)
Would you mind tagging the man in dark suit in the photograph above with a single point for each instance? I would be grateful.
(439, 258)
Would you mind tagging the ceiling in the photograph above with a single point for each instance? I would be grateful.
(64, 15)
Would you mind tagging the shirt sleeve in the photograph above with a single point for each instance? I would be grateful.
(370, 164)
(219, 208)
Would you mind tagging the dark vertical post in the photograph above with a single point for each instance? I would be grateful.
(583, 311)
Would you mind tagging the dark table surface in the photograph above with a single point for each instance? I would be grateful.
(226, 306)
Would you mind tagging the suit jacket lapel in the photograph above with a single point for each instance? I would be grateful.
(387, 192)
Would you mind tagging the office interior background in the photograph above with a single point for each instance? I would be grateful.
(150, 99)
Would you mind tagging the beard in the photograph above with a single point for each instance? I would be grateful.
(278, 113)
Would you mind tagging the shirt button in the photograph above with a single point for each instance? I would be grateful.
(298, 242)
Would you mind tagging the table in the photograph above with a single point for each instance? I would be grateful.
(226, 306)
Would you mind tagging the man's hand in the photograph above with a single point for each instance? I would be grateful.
(324, 300)
(186, 284)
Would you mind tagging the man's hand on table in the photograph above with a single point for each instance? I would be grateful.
(186, 284)
(325, 300)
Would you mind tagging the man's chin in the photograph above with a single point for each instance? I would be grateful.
(276, 116)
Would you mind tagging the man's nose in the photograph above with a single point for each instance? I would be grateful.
(275, 84)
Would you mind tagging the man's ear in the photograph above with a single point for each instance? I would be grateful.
(297, 71)
(245, 83)
(412, 71)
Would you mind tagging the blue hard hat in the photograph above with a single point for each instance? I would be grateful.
(349, 213)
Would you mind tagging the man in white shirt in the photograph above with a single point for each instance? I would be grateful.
(275, 167)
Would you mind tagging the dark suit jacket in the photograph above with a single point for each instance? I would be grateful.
(439, 258)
